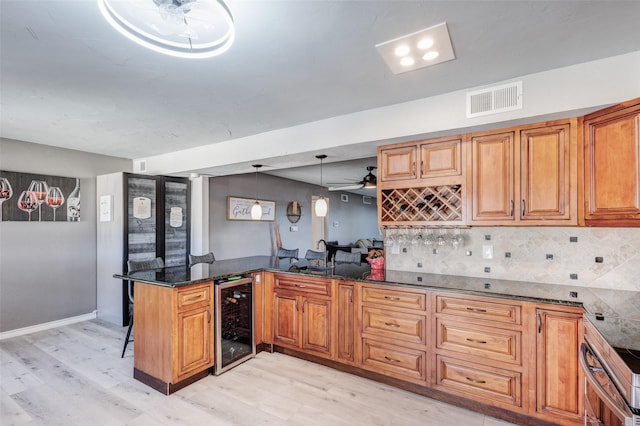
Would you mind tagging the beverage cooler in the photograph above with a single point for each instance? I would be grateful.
(234, 309)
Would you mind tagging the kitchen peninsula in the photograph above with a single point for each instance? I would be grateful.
(505, 348)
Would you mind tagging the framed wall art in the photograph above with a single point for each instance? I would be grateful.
(239, 208)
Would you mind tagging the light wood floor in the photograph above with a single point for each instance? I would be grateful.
(73, 375)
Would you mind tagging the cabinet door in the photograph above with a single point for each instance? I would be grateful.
(195, 341)
(441, 159)
(544, 173)
(492, 182)
(346, 323)
(398, 163)
(559, 379)
(612, 165)
(316, 325)
(285, 322)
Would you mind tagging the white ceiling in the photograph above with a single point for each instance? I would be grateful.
(67, 79)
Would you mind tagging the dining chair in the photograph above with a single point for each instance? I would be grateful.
(137, 266)
(204, 258)
(287, 254)
(316, 258)
(345, 257)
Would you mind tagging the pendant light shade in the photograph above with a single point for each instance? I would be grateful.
(321, 207)
(256, 209)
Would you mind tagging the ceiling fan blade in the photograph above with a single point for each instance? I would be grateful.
(346, 187)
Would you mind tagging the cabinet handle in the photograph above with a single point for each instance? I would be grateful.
(300, 285)
(208, 316)
(413, 167)
(421, 168)
(391, 298)
(475, 381)
(476, 310)
(391, 359)
(296, 305)
(539, 322)
(390, 324)
(476, 341)
(350, 296)
(189, 299)
(511, 208)
(524, 209)
(303, 306)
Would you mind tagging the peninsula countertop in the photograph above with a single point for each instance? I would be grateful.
(615, 313)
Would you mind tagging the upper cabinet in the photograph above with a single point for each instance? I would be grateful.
(612, 166)
(422, 183)
(525, 176)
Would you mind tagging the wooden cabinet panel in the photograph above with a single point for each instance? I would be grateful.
(398, 164)
(396, 361)
(316, 325)
(560, 384)
(303, 284)
(545, 173)
(612, 166)
(498, 386)
(441, 159)
(493, 185)
(480, 308)
(195, 341)
(396, 326)
(490, 343)
(394, 297)
(285, 323)
(346, 323)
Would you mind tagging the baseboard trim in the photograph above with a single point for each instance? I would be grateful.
(47, 325)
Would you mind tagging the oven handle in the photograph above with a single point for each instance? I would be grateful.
(610, 402)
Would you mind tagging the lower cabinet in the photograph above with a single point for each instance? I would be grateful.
(173, 334)
(302, 314)
(559, 381)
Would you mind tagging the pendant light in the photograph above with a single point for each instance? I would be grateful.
(256, 209)
(321, 204)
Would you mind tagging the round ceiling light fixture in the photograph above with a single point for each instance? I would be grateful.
(181, 28)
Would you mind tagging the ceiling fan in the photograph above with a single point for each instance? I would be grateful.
(367, 182)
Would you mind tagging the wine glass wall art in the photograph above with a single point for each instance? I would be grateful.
(29, 197)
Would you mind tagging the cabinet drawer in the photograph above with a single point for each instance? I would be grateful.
(190, 297)
(394, 325)
(474, 381)
(304, 284)
(392, 360)
(487, 342)
(396, 298)
(480, 309)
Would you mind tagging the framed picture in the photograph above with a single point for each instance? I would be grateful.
(240, 209)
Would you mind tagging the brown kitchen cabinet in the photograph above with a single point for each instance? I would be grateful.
(479, 349)
(302, 314)
(397, 163)
(612, 166)
(560, 381)
(346, 322)
(525, 175)
(393, 332)
(174, 342)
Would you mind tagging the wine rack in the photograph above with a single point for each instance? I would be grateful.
(422, 204)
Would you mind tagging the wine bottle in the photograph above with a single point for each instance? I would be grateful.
(73, 203)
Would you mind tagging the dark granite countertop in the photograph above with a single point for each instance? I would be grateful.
(619, 309)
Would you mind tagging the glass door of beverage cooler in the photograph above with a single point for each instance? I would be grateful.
(234, 323)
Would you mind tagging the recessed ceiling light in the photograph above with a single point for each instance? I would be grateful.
(407, 61)
(430, 55)
(425, 43)
(402, 50)
(435, 38)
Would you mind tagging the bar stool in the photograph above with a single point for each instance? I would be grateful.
(204, 258)
(287, 254)
(137, 266)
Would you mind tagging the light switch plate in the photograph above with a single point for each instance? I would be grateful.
(487, 252)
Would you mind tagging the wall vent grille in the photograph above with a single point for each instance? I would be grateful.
(492, 100)
(139, 166)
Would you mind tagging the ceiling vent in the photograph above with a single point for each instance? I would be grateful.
(139, 166)
(492, 100)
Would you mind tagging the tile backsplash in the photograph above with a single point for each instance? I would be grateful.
(587, 257)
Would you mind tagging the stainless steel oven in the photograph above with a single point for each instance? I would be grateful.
(234, 309)
(612, 380)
